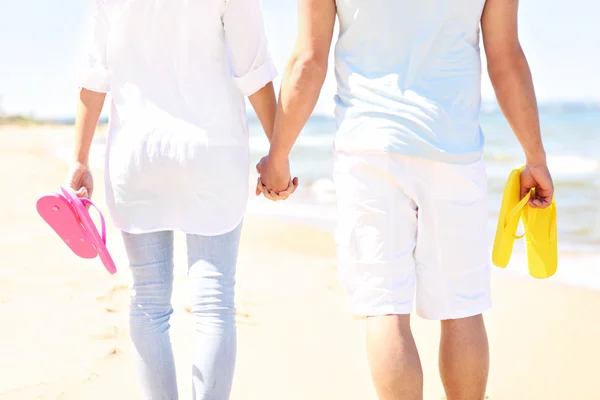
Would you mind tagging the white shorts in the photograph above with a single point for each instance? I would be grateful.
(409, 225)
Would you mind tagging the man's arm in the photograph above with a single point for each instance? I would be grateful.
(510, 75)
(304, 74)
(300, 87)
(512, 82)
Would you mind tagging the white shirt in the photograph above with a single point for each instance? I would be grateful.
(408, 75)
(177, 149)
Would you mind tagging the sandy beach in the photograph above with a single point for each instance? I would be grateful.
(65, 332)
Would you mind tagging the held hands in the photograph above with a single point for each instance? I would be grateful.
(275, 182)
(538, 177)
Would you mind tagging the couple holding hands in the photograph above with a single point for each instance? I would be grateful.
(409, 174)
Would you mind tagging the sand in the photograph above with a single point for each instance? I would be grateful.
(65, 333)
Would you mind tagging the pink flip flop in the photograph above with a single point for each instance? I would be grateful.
(68, 216)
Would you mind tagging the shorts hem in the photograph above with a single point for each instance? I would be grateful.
(459, 314)
(366, 312)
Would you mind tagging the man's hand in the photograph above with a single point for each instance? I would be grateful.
(275, 181)
(538, 177)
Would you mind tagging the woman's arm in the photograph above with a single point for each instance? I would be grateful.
(89, 108)
(264, 104)
(93, 83)
(253, 69)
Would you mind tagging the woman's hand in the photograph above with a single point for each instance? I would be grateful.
(79, 178)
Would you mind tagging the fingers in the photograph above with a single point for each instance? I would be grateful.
(524, 191)
(269, 194)
(258, 187)
(291, 189)
(540, 198)
(82, 192)
(274, 196)
(259, 165)
(538, 180)
(287, 192)
(540, 202)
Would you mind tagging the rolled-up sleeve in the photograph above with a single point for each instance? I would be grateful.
(93, 73)
(251, 62)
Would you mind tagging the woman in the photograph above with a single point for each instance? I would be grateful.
(177, 159)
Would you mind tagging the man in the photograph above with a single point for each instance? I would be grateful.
(409, 174)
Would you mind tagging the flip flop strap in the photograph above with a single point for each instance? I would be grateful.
(552, 232)
(515, 212)
(86, 202)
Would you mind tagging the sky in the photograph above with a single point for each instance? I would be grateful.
(41, 41)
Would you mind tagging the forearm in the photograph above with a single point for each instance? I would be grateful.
(513, 84)
(300, 88)
(264, 104)
(89, 108)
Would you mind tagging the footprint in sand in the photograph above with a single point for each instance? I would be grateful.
(117, 297)
(245, 318)
(246, 312)
(111, 333)
(113, 352)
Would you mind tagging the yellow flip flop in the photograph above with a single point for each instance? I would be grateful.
(541, 240)
(508, 220)
(539, 225)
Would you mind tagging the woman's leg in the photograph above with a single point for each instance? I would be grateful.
(212, 263)
(151, 263)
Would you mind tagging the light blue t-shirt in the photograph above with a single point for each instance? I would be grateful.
(409, 78)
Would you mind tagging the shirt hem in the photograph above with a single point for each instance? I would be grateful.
(134, 231)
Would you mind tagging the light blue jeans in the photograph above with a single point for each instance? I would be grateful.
(212, 264)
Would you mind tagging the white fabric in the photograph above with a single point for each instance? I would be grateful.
(177, 149)
(409, 225)
(409, 78)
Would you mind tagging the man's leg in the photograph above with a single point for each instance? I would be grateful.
(453, 271)
(464, 358)
(393, 358)
(376, 236)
